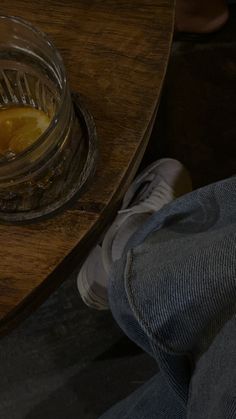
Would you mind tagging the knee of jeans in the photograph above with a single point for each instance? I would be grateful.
(121, 309)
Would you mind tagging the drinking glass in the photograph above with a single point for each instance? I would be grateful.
(46, 175)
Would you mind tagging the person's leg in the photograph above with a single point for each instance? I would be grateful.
(213, 385)
(200, 16)
(151, 401)
(174, 286)
(157, 185)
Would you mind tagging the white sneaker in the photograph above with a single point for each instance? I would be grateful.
(159, 184)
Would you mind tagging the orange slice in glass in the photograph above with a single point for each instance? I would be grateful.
(20, 127)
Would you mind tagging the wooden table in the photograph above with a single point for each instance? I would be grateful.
(116, 53)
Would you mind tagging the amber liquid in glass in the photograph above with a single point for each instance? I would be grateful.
(20, 127)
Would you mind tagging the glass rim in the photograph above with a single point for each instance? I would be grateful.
(40, 140)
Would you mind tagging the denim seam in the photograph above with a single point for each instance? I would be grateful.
(136, 312)
(157, 346)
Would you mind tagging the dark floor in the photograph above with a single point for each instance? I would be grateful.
(67, 361)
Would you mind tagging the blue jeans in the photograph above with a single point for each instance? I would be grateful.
(174, 293)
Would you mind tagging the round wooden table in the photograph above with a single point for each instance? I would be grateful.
(116, 53)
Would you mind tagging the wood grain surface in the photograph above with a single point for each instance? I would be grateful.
(116, 53)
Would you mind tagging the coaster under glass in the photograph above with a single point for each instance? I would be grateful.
(63, 183)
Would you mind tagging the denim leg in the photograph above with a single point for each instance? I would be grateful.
(213, 386)
(153, 400)
(174, 288)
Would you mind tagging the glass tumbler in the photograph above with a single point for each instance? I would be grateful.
(46, 175)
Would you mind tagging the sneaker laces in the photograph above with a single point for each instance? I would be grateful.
(157, 196)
